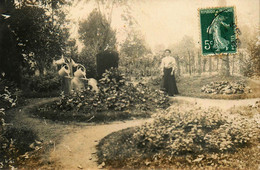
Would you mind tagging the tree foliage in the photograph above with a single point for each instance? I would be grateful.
(97, 34)
(10, 59)
(184, 54)
(37, 32)
(135, 45)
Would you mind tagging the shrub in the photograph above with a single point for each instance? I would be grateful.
(193, 131)
(115, 94)
(43, 83)
(7, 100)
(14, 143)
(225, 87)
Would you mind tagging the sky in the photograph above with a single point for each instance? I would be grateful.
(167, 21)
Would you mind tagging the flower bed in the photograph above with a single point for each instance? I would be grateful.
(182, 137)
(225, 87)
(115, 95)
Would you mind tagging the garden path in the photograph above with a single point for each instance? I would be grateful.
(222, 104)
(78, 150)
(76, 146)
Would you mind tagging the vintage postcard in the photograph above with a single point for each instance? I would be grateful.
(129, 84)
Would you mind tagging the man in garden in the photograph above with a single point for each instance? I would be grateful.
(167, 68)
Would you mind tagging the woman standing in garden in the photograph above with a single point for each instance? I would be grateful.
(168, 67)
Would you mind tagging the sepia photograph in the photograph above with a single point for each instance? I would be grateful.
(129, 84)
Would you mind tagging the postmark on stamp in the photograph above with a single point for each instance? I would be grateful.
(218, 30)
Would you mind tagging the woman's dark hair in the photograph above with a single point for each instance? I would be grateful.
(167, 50)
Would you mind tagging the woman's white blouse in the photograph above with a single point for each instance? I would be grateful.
(168, 62)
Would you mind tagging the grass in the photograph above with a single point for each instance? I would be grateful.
(191, 86)
(26, 129)
(20, 140)
(80, 116)
(34, 94)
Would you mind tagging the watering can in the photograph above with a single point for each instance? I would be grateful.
(73, 63)
(60, 61)
(80, 72)
(64, 71)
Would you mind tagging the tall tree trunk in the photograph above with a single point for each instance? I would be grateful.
(199, 63)
(241, 70)
(178, 66)
(210, 65)
(225, 67)
(233, 65)
(204, 64)
(193, 63)
(189, 60)
(217, 63)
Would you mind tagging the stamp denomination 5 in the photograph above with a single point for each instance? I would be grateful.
(218, 31)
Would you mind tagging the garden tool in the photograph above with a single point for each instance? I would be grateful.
(80, 72)
(60, 61)
(73, 63)
(92, 83)
(64, 71)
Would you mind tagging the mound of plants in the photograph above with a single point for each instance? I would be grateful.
(115, 95)
(181, 137)
(225, 87)
(42, 85)
(248, 111)
(14, 143)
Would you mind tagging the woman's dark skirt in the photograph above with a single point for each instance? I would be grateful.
(169, 83)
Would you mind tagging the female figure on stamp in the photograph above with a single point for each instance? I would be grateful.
(167, 68)
(214, 28)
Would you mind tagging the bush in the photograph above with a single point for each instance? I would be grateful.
(14, 143)
(180, 131)
(115, 94)
(181, 137)
(225, 87)
(43, 83)
(7, 100)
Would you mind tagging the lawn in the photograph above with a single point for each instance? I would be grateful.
(191, 86)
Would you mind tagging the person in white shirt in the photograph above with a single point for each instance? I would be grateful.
(168, 67)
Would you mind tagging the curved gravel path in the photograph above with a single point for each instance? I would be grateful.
(78, 150)
(223, 104)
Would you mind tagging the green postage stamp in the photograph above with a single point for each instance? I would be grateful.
(218, 30)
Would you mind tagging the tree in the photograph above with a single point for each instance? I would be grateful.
(37, 38)
(210, 65)
(185, 50)
(96, 33)
(199, 63)
(204, 64)
(89, 61)
(11, 60)
(135, 45)
(254, 53)
(225, 67)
